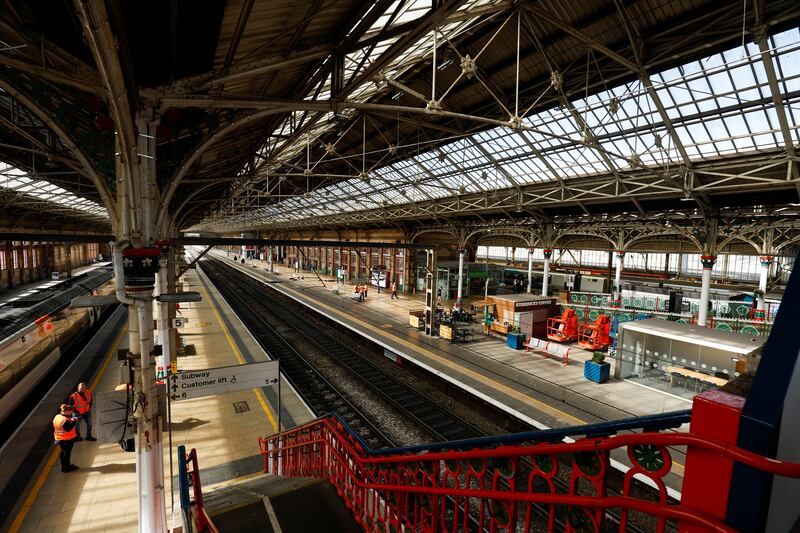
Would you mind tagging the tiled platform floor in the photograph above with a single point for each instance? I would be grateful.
(101, 496)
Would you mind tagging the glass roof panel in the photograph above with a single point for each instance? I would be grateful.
(719, 105)
(49, 194)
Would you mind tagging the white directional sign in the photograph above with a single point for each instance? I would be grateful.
(196, 383)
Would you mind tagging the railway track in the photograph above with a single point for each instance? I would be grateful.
(435, 420)
(318, 393)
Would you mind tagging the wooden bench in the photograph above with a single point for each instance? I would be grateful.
(549, 349)
(694, 374)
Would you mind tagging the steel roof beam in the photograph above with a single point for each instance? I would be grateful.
(780, 109)
(236, 241)
(588, 189)
(85, 85)
(97, 30)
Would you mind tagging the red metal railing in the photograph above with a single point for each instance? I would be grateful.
(197, 489)
(505, 488)
(190, 477)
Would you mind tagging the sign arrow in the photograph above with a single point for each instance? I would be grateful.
(197, 383)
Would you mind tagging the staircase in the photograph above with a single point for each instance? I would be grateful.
(538, 481)
(278, 504)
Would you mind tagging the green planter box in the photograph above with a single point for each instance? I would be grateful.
(515, 341)
(597, 372)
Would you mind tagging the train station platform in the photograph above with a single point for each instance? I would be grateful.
(224, 429)
(542, 392)
(18, 292)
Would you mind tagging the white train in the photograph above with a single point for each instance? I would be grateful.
(33, 346)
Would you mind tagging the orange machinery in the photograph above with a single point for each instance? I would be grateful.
(563, 328)
(596, 336)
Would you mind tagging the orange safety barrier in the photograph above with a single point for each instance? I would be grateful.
(596, 336)
(563, 328)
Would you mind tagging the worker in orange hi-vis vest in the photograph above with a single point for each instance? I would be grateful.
(82, 402)
(64, 435)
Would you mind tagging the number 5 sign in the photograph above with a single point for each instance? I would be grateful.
(179, 322)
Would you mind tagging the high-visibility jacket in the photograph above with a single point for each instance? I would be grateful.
(82, 405)
(58, 428)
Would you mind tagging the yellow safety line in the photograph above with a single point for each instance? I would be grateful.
(471, 373)
(31, 498)
(475, 375)
(456, 366)
(258, 392)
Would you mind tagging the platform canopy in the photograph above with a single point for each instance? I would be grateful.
(274, 115)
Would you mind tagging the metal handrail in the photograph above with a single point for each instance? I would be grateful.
(658, 422)
(378, 480)
(191, 478)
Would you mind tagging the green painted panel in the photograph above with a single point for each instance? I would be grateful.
(749, 330)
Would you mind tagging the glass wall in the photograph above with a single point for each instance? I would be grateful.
(729, 266)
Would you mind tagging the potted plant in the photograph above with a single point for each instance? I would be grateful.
(597, 369)
(515, 338)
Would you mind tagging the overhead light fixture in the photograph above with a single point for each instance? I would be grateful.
(444, 64)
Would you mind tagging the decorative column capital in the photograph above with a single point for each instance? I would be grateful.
(620, 254)
(531, 251)
(708, 261)
(547, 253)
(766, 260)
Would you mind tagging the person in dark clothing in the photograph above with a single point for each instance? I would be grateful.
(64, 435)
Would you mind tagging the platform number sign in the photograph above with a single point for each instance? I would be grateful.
(179, 322)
